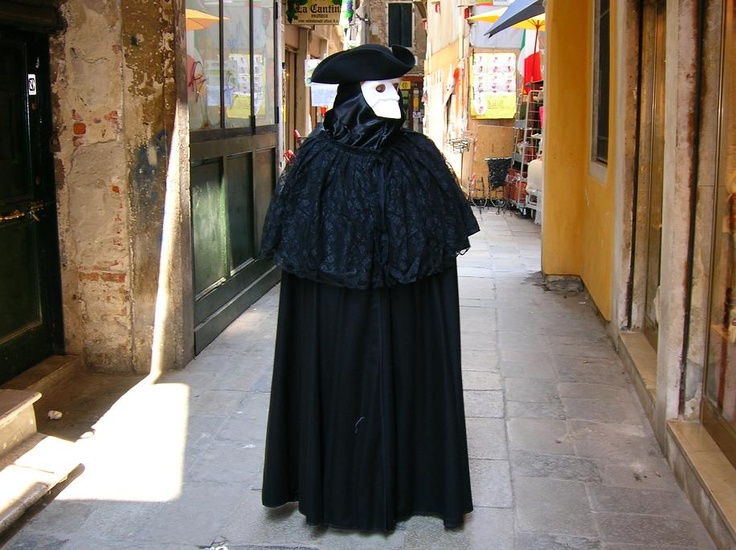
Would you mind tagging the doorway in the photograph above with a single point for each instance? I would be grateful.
(651, 167)
(30, 309)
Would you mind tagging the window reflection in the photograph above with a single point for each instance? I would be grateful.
(237, 65)
(203, 64)
(265, 61)
(232, 84)
(242, 80)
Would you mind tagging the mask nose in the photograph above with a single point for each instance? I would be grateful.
(382, 97)
(390, 94)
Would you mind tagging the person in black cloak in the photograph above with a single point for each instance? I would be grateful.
(366, 424)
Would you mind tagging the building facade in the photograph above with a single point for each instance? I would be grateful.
(649, 214)
(143, 144)
(638, 182)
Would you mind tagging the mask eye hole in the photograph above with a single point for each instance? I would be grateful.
(381, 88)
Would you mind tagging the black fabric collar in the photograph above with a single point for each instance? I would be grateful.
(351, 120)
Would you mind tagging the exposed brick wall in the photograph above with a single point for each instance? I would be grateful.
(114, 105)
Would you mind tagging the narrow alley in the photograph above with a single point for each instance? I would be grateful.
(562, 455)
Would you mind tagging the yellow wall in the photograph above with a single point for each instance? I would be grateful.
(438, 71)
(578, 207)
(446, 57)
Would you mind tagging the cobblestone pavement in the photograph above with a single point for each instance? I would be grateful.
(562, 455)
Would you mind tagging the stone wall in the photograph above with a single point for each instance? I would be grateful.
(114, 109)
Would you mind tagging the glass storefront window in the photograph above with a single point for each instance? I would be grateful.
(227, 86)
(264, 63)
(203, 64)
(236, 29)
(720, 406)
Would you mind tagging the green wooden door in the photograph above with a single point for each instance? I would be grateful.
(30, 324)
(232, 181)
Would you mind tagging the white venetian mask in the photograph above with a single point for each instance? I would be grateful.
(382, 97)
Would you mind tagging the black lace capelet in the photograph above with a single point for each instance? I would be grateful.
(366, 203)
(362, 218)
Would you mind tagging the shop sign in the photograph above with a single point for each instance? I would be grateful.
(314, 12)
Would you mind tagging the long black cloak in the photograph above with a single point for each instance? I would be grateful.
(366, 425)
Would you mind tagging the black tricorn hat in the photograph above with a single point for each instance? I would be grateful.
(365, 62)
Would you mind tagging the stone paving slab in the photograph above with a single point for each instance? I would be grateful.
(531, 390)
(584, 370)
(601, 410)
(629, 500)
(562, 456)
(488, 404)
(564, 510)
(536, 367)
(491, 481)
(540, 435)
(657, 530)
(567, 468)
(544, 541)
(518, 409)
(638, 473)
(487, 438)
(481, 380)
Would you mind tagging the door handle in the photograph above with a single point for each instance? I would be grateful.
(16, 214)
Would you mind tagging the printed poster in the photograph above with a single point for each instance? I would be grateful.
(322, 95)
(493, 85)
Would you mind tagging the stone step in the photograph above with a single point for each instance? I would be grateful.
(46, 375)
(31, 463)
(30, 471)
(17, 417)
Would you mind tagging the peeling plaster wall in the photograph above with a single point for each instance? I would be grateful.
(627, 46)
(92, 180)
(149, 103)
(707, 143)
(115, 103)
(378, 29)
(685, 135)
(680, 140)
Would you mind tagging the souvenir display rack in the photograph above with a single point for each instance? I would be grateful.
(527, 141)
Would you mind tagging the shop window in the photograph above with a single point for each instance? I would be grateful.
(400, 24)
(230, 64)
(719, 411)
(602, 68)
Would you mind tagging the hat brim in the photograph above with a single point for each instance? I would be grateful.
(366, 62)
